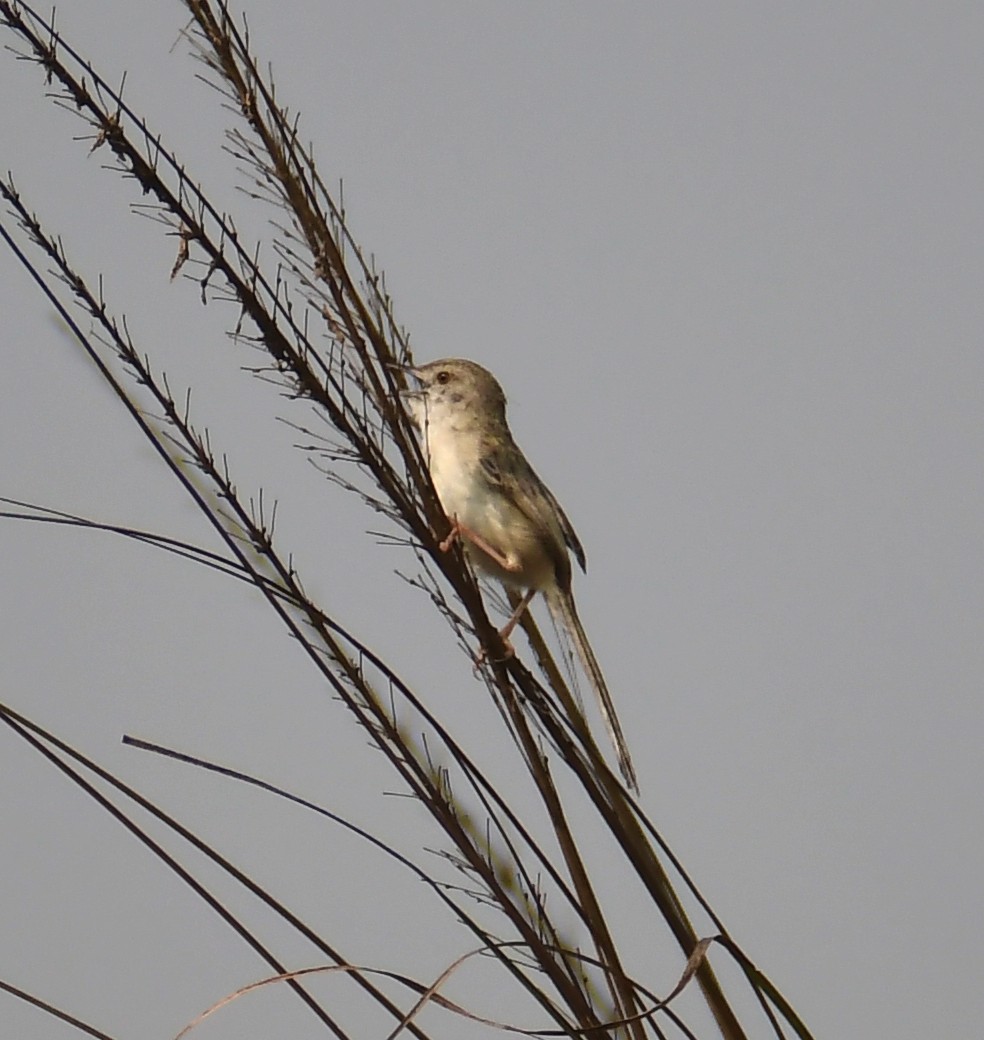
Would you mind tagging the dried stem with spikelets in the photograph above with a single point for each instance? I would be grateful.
(349, 371)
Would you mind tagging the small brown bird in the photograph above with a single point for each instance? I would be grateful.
(510, 524)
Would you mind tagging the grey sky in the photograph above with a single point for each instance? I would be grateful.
(726, 261)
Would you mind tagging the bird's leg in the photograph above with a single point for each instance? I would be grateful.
(453, 535)
(460, 532)
(506, 631)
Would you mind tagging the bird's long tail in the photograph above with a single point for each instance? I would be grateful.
(564, 613)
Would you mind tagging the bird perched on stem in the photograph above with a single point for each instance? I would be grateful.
(509, 523)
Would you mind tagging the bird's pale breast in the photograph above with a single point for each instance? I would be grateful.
(465, 493)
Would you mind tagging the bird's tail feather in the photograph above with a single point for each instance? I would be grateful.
(564, 613)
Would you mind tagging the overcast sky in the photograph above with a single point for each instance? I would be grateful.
(726, 260)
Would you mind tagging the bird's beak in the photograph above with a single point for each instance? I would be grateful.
(410, 373)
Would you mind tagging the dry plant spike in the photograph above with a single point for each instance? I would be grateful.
(185, 235)
(374, 435)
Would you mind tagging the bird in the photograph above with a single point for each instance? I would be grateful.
(509, 523)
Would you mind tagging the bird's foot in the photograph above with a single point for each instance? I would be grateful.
(482, 656)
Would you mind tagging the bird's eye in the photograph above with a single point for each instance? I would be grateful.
(443, 377)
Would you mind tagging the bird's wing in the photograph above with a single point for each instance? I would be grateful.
(535, 501)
